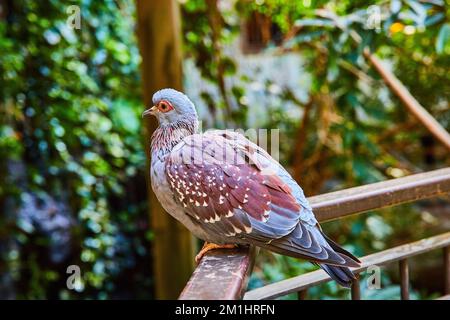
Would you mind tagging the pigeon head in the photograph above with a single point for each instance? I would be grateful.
(171, 106)
(176, 116)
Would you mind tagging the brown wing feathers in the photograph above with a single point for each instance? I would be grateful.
(237, 200)
(209, 189)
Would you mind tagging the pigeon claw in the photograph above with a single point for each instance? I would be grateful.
(211, 246)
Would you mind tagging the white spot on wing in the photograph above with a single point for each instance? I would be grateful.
(236, 230)
(229, 214)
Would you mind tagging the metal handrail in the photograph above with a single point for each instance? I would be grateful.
(335, 205)
(305, 281)
(222, 274)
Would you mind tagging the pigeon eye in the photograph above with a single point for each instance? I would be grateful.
(164, 106)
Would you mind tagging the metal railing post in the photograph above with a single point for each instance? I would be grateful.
(356, 289)
(404, 279)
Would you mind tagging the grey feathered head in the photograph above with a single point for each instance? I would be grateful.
(170, 106)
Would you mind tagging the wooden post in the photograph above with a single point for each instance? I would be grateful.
(159, 35)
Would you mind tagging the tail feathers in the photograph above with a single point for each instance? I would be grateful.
(350, 261)
(343, 253)
(341, 275)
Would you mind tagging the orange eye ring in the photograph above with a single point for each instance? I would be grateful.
(164, 106)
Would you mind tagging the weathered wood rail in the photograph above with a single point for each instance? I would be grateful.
(223, 274)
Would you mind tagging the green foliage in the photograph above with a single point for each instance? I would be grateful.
(70, 133)
(357, 132)
(69, 112)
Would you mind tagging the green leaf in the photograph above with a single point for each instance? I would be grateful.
(420, 10)
(442, 41)
(434, 19)
(396, 5)
(314, 23)
(304, 37)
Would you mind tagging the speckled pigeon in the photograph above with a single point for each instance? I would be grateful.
(228, 191)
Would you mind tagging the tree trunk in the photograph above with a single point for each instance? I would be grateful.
(216, 23)
(159, 36)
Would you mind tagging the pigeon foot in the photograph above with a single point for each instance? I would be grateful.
(211, 246)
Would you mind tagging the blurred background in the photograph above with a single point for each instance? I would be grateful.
(76, 75)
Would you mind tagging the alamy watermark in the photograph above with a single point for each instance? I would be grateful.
(234, 147)
(373, 281)
(74, 19)
(74, 281)
(373, 18)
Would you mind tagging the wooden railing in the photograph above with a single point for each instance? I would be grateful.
(223, 274)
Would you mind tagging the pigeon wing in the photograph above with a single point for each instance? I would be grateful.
(232, 188)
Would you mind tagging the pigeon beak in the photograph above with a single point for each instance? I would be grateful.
(151, 111)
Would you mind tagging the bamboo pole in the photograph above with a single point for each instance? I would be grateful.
(159, 35)
(409, 101)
